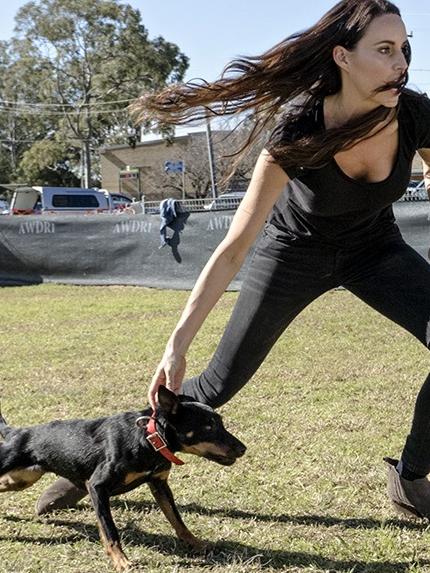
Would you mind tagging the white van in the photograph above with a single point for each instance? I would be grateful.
(60, 200)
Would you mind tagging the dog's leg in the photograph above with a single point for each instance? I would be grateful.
(16, 469)
(19, 479)
(164, 497)
(108, 531)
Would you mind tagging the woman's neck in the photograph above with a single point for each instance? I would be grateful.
(341, 108)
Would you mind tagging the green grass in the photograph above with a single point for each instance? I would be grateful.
(335, 395)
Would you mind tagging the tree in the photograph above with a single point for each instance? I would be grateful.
(86, 60)
(15, 130)
(48, 163)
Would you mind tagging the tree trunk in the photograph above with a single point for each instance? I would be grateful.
(86, 162)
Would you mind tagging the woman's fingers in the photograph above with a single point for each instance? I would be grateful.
(175, 370)
(170, 373)
(158, 380)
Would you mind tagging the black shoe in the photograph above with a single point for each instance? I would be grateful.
(410, 498)
(62, 494)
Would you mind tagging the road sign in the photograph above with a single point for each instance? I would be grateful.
(129, 174)
(173, 166)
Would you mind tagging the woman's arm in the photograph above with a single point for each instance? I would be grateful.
(267, 182)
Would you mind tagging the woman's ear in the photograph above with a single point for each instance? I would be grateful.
(341, 57)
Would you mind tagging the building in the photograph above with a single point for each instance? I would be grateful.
(146, 165)
(140, 169)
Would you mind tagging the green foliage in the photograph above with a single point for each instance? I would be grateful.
(48, 162)
(5, 166)
(87, 59)
(335, 395)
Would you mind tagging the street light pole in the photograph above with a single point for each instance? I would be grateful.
(211, 158)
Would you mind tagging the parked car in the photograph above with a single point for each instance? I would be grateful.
(121, 201)
(229, 200)
(63, 200)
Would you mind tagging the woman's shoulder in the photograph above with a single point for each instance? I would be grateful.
(296, 123)
(414, 115)
(414, 103)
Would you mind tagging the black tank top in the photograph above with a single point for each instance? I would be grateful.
(326, 205)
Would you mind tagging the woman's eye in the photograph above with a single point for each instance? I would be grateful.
(384, 50)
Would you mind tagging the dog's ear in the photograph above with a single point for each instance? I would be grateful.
(167, 400)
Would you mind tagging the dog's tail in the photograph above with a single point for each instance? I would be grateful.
(4, 427)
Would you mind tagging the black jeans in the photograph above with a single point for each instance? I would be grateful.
(284, 276)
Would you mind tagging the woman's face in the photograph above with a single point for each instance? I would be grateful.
(377, 59)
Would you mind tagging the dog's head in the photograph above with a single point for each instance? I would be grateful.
(195, 428)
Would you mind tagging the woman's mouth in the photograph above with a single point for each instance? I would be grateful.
(393, 87)
(401, 83)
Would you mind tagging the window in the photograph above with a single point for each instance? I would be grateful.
(119, 200)
(80, 201)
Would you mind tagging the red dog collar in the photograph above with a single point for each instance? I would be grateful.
(159, 444)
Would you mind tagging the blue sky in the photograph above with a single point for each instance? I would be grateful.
(213, 33)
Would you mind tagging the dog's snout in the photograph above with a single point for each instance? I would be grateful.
(236, 446)
(240, 449)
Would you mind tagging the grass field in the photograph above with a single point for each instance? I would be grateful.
(335, 395)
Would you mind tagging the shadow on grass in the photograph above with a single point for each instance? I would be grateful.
(228, 552)
(318, 520)
(132, 536)
(224, 553)
(322, 520)
(221, 554)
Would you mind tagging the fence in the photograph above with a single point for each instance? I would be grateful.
(223, 202)
(197, 205)
(126, 248)
(415, 194)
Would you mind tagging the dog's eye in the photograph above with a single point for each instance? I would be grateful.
(210, 426)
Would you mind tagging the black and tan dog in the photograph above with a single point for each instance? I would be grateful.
(113, 455)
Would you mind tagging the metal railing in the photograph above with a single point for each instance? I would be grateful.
(196, 205)
(224, 203)
(415, 195)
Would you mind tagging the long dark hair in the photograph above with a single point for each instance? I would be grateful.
(291, 76)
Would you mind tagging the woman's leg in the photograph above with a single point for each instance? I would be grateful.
(395, 280)
(282, 279)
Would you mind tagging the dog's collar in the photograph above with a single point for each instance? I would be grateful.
(159, 444)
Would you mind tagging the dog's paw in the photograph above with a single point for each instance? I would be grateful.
(197, 545)
(123, 567)
(121, 563)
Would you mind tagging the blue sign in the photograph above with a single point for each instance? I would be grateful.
(173, 166)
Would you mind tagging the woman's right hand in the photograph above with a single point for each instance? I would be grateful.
(170, 373)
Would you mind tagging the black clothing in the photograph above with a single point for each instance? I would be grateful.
(329, 230)
(328, 206)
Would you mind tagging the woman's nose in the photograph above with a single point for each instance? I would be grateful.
(401, 62)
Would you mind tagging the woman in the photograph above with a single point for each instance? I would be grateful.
(325, 183)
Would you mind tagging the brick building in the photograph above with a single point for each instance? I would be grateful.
(149, 158)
